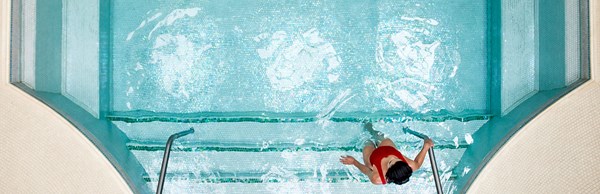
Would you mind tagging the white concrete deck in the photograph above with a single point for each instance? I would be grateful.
(41, 151)
(558, 151)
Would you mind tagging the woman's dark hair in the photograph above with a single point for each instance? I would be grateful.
(398, 173)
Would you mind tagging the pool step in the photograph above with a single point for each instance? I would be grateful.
(274, 171)
(416, 185)
(272, 156)
(231, 147)
(274, 166)
(284, 136)
(332, 176)
(259, 177)
(141, 116)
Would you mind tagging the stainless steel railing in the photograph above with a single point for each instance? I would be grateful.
(434, 169)
(165, 162)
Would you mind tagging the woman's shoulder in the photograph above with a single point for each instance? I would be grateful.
(413, 165)
(375, 179)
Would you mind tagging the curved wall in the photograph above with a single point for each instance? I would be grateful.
(557, 152)
(41, 151)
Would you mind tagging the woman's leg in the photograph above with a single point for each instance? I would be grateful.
(370, 145)
(375, 135)
(387, 142)
(367, 151)
(378, 136)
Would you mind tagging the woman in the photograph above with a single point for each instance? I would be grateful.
(385, 163)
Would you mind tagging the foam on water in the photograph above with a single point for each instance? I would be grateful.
(174, 16)
(294, 59)
(130, 35)
(406, 53)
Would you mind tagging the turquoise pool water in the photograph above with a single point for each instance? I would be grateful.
(278, 90)
(299, 56)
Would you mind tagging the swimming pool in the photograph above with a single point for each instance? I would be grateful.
(305, 74)
(278, 90)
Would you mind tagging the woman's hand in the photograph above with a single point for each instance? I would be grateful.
(347, 160)
(428, 143)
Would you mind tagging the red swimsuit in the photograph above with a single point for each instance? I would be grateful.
(381, 152)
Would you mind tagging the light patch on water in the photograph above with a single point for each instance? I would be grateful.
(299, 142)
(455, 60)
(177, 58)
(418, 60)
(456, 142)
(392, 102)
(138, 66)
(328, 112)
(443, 165)
(279, 174)
(454, 69)
(289, 155)
(296, 59)
(152, 18)
(412, 74)
(261, 37)
(266, 144)
(466, 171)
(181, 57)
(414, 100)
(325, 188)
(323, 170)
(333, 77)
(174, 16)
(352, 172)
(238, 29)
(429, 21)
(468, 138)
(420, 54)
(129, 91)
(277, 39)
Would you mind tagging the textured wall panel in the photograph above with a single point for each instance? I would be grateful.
(80, 54)
(572, 54)
(4, 42)
(48, 41)
(518, 52)
(595, 39)
(28, 20)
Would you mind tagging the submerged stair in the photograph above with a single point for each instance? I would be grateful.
(273, 157)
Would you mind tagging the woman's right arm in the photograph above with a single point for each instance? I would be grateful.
(347, 160)
(373, 177)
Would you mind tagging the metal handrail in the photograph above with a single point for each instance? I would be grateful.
(434, 169)
(165, 162)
